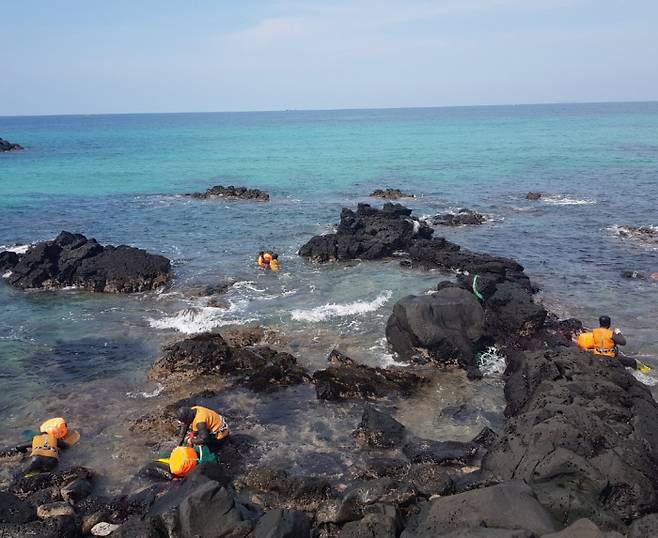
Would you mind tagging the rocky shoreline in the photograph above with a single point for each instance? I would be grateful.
(6, 145)
(578, 454)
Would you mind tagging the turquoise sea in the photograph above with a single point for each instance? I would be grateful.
(119, 179)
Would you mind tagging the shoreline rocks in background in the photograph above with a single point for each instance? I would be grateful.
(73, 260)
(534, 195)
(232, 193)
(390, 194)
(463, 217)
(6, 145)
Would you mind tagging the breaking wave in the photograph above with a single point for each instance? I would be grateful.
(559, 199)
(201, 319)
(333, 310)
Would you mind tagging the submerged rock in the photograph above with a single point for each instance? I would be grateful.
(534, 195)
(439, 452)
(379, 430)
(344, 379)
(583, 433)
(6, 145)
(232, 193)
(390, 194)
(463, 217)
(73, 260)
(259, 368)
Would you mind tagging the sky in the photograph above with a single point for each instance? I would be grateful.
(86, 57)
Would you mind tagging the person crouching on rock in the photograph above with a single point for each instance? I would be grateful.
(606, 342)
(208, 428)
(54, 434)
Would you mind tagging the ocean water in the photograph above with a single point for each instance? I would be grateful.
(119, 179)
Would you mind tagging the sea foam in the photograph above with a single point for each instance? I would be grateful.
(333, 310)
(559, 199)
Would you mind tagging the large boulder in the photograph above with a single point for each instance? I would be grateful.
(73, 260)
(344, 379)
(261, 369)
(6, 145)
(510, 506)
(283, 524)
(15, 510)
(584, 528)
(584, 433)
(232, 193)
(367, 234)
(446, 325)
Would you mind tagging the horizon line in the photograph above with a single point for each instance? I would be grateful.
(355, 108)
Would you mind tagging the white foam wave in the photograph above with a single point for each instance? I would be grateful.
(491, 362)
(559, 199)
(7, 274)
(643, 378)
(155, 392)
(332, 310)
(201, 319)
(18, 249)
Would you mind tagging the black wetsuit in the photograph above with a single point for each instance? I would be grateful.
(629, 362)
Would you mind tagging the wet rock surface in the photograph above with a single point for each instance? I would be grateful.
(232, 193)
(344, 379)
(73, 260)
(379, 430)
(390, 194)
(259, 368)
(6, 145)
(463, 217)
(583, 433)
(534, 195)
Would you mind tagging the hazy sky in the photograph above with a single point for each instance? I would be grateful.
(205, 55)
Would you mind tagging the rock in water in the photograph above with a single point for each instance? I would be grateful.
(232, 193)
(390, 194)
(73, 260)
(6, 145)
(344, 379)
(368, 234)
(534, 195)
(583, 433)
(463, 217)
(447, 324)
(379, 430)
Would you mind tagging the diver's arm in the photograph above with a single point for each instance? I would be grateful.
(182, 433)
(619, 339)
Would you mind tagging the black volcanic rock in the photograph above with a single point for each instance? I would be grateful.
(73, 260)
(463, 217)
(368, 234)
(259, 368)
(6, 145)
(344, 379)
(390, 194)
(583, 433)
(232, 193)
(534, 195)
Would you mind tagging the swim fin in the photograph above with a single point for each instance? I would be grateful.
(644, 368)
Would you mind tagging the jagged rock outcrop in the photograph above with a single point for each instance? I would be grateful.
(390, 194)
(73, 260)
(232, 193)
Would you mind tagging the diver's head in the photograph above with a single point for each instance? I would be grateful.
(186, 415)
(604, 321)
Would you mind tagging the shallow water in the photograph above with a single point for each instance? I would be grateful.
(118, 178)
